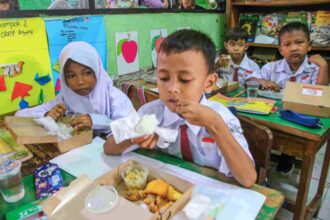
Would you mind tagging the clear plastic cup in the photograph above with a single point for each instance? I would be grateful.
(252, 89)
(135, 176)
(11, 186)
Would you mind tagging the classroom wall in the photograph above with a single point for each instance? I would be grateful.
(211, 24)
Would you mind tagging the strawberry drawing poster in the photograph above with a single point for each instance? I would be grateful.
(25, 71)
(156, 37)
(127, 52)
(61, 32)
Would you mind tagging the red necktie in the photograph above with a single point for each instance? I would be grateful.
(292, 79)
(235, 76)
(185, 148)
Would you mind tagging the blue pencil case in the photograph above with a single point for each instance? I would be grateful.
(300, 119)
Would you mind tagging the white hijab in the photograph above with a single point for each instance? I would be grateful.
(98, 101)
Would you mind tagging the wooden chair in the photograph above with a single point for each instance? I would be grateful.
(260, 140)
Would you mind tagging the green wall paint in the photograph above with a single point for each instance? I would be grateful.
(211, 24)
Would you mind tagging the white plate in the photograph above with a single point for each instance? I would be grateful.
(101, 199)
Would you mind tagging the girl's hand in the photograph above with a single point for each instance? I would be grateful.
(196, 113)
(269, 85)
(81, 122)
(147, 141)
(57, 111)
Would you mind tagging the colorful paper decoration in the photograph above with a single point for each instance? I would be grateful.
(156, 36)
(20, 90)
(58, 86)
(3, 86)
(12, 69)
(23, 104)
(56, 66)
(41, 97)
(42, 80)
(26, 52)
(127, 52)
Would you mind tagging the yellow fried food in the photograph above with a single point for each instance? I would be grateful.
(135, 195)
(172, 194)
(158, 187)
(165, 206)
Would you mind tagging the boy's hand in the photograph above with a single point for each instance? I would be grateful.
(223, 60)
(81, 122)
(270, 85)
(196, 113)
(147, 141)
(318, 60)
(57, 111)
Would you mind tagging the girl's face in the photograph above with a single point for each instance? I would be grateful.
(80, 78)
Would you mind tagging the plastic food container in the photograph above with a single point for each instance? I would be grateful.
(135, 176)
(101, 199)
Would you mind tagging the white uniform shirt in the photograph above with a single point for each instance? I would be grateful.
(280, 72)
(120, 108)
(245, 69)
(203, 152)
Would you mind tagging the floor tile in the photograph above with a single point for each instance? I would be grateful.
(324, 213)
(318, 167)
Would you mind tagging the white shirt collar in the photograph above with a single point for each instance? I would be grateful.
(245, 63)
(284, 67)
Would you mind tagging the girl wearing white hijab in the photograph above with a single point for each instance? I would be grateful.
(87, 92)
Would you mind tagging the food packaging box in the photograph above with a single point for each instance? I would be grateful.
(227, 85)
(69, 202)
(307, 99)
(26, 131)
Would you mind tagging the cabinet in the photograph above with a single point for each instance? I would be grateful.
(235, 7)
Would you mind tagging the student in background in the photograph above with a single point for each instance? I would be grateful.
(236, 66)
(87, 92)
(210, 135)
(294, 44)
(6, 5)
(154, 3)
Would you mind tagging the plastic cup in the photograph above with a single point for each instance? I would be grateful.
(252, 89)
(135, 176)
(11, 186)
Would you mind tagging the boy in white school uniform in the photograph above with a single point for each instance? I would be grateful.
(294, 44)
(210, 135)
(236, 66)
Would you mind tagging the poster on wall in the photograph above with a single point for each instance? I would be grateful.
(61, 32)
(25, 71)
(127, 52)
(156, 38)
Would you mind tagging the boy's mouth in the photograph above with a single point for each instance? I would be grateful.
(173, 101)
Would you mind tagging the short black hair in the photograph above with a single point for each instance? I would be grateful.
(185, 40)
(236, 33)
(291, 27)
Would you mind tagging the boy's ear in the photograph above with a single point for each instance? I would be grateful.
(246, 46)
(210, 82)
(309, 46)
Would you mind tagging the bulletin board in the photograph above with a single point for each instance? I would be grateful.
(211, 24)
(25, 74)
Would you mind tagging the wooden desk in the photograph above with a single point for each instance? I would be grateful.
(45, 152)
(294, 140)
(269, 209)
